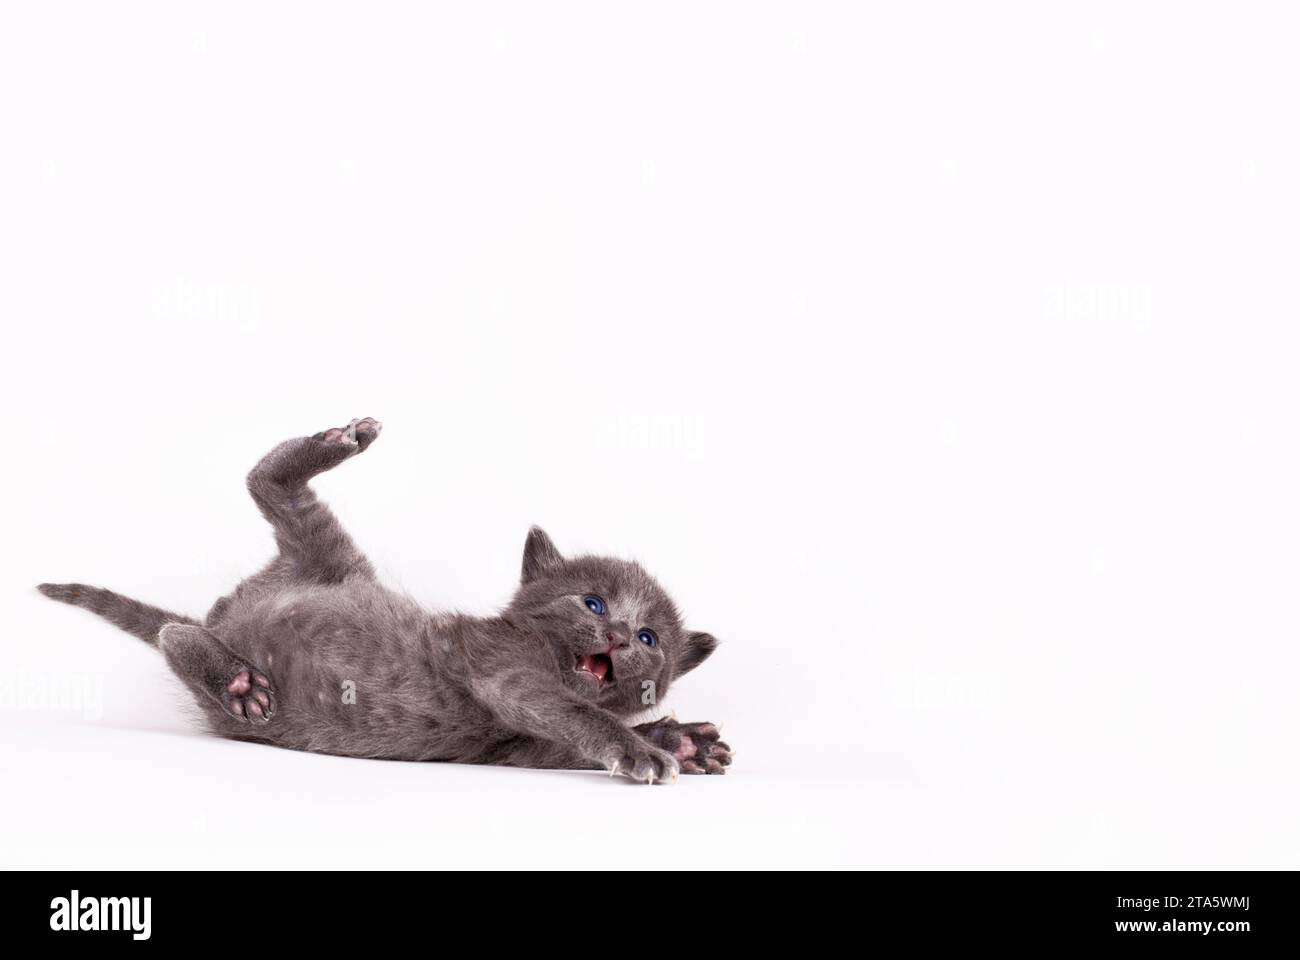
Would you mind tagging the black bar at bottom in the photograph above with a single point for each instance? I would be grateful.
(365, 910)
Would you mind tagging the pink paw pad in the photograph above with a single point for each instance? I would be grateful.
(358, 433)
(695, 745)
(249, 697)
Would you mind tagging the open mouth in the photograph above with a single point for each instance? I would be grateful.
(595, 668)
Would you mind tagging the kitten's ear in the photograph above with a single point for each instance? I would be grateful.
(540, 555)
(696, 651)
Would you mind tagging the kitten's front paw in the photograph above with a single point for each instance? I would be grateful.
(248, 696)
(644, 764)
(695, 745)
(359, 434)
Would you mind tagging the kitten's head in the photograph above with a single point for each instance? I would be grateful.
(610, 625)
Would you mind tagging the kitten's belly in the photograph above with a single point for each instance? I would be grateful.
(357, 670)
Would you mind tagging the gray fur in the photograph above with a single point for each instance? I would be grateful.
(313, 653)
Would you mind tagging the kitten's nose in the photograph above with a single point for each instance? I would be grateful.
(617, 638)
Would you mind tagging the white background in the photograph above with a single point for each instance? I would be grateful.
(939, 358)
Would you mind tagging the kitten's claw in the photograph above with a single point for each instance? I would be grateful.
(645, 764)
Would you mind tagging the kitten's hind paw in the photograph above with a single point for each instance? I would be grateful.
(249, 697)
(358, 433)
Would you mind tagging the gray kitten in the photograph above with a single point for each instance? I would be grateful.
(313, 653)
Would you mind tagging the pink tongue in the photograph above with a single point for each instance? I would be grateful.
(596, 668)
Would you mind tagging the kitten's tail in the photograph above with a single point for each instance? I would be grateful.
(136, 618)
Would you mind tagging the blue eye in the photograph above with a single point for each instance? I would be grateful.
(647, 637)
(594, 604)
